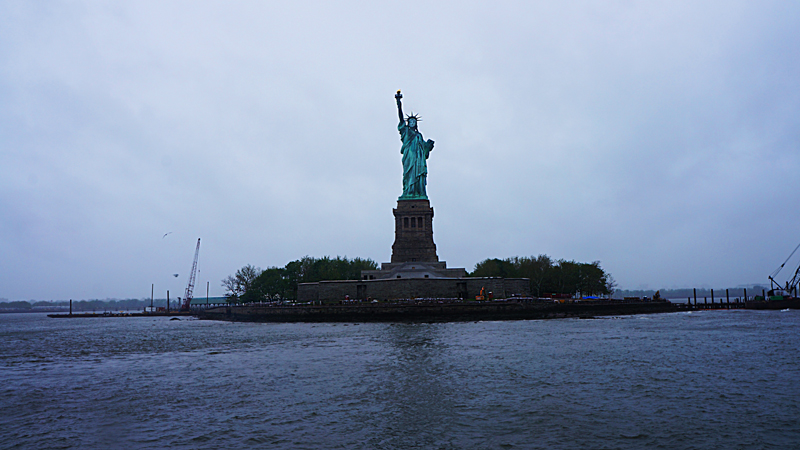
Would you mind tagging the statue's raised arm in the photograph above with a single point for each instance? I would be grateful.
(398, 97)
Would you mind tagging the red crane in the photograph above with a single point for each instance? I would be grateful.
(187, 300)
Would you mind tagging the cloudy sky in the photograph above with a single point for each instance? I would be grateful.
(660, 138)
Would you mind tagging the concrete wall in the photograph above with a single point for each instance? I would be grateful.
(434, 310)
(401, 288)
(308, 292)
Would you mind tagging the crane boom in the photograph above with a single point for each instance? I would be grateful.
(791, 285)
(187, 300)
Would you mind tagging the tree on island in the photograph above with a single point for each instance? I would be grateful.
(548, 276)
(238, 284)
(276, 283)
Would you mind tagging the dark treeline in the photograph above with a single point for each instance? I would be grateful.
(252, 284)
(550, 276)
(682, 293)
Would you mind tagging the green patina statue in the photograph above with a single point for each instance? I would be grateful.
(415, 151)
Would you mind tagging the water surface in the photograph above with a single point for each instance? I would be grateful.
(705, 380)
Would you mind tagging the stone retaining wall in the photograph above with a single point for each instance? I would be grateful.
(407, 288)
(433, 311)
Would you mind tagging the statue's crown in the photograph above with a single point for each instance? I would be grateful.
(413, 116)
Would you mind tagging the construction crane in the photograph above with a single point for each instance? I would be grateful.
(187, 299)
(790, 288)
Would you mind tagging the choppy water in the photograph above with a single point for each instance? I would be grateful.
(705, 380)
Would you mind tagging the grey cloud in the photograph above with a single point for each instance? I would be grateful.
(659, 138)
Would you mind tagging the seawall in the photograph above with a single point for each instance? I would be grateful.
(432, 311)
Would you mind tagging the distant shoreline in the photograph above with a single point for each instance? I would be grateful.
(26, 310)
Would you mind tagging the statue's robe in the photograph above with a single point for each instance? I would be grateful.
(415, 153)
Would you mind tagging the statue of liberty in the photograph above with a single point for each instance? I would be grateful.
(415, 151)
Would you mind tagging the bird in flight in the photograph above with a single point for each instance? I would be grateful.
(165, 235)
(175, 275)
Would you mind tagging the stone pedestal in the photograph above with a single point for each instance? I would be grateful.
(413, 232)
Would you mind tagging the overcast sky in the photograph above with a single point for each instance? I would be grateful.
(660, 138)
